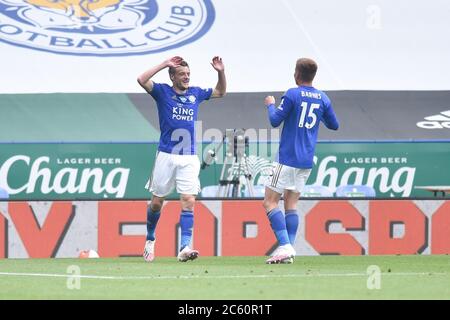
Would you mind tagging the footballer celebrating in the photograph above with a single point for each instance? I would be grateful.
(301, 110)
(176, 163)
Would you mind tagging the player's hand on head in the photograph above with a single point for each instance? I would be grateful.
(174, 61)
(217, 63)
(269, 100)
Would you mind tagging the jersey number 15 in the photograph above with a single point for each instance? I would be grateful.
(311, 115)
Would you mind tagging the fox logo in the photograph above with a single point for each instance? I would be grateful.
(103, 14)
(81, 11)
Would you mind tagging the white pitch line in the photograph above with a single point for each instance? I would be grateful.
(302, 275)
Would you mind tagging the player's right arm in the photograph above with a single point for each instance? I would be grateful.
(145, 79)
(277, 114)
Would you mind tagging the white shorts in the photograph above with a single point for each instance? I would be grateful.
(174, 169)
(287, 178)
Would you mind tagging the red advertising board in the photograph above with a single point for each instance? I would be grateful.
(227, 228)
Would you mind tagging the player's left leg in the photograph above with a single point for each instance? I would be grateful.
(188, 185)
(291, 196)
(187, 224)
(291, 215)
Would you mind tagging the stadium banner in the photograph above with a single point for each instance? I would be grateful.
(120, 39)
(77, 171)
(44, 229)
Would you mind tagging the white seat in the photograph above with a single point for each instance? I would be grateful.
(316, 191)
(355, 191)
(259, 191)
(210, 191)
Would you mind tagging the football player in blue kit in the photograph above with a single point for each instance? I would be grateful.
(176, 163)
(301, 110)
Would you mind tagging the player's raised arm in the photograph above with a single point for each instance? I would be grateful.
(145, 79)
(277, 114)
(221, 87)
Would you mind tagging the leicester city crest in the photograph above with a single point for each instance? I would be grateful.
(104, 27)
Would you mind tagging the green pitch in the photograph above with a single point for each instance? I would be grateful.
(319, 277)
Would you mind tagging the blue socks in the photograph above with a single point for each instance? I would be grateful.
(278, 224)
(291, 224)
(152, 221)
(186, 224)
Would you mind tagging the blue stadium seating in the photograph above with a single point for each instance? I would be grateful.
(3, 194)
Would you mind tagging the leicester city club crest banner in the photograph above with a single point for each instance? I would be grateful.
(104, 27)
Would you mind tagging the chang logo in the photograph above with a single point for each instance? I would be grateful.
(104, 27)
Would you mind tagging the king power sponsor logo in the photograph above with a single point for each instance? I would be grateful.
(104, 27)
(437, 121)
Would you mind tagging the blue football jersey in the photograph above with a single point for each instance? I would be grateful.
(177, 115)
(301, 109)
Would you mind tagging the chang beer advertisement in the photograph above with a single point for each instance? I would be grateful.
(121, 170)
(75, 171)
(393, 169)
